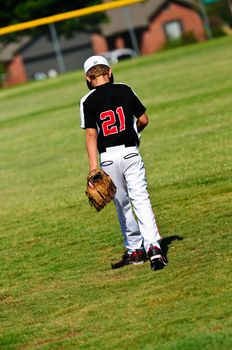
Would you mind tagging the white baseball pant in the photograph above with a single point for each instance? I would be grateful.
(126, 168)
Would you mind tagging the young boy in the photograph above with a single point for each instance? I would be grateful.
(113, 116)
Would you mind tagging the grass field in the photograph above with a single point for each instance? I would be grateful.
(58, 290)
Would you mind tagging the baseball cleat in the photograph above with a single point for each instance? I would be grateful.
(157, 260)
(136, 257)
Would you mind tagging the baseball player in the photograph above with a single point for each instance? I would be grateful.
(112, 116)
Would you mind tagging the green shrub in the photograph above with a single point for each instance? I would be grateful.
(186, 39)
(2, 73)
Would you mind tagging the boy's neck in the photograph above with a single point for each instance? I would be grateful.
(102, 79)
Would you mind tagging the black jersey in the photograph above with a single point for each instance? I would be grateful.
(111, 109)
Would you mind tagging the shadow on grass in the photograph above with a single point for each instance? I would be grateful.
(164, 244)
(167, 241)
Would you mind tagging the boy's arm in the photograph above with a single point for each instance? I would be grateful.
(91, 146)
(142, 122)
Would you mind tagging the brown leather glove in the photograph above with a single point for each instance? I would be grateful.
(100, 189)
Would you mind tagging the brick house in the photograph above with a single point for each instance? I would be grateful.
(154, 23)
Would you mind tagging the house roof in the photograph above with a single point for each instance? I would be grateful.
(42, 47)
(118, 19)
(7, 50)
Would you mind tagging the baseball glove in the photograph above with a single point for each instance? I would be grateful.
(100, 189)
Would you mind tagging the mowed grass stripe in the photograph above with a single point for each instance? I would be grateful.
(22, 119)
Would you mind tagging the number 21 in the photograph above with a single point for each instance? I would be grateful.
(108, 126)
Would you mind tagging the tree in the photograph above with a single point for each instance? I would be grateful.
(17, 11)
(219, 14)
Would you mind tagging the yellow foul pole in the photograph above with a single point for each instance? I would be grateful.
(67, 15)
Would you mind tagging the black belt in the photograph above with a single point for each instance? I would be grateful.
(128, 144)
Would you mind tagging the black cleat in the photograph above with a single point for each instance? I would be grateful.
(157, 260)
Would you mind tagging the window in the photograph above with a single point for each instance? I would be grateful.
(173, 30)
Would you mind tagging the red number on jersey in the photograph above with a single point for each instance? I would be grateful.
(108, 126)
(121, 115)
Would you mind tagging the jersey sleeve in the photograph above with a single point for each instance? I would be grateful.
(137, 106)
(87, 115)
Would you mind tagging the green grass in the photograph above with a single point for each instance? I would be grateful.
(58, 290)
